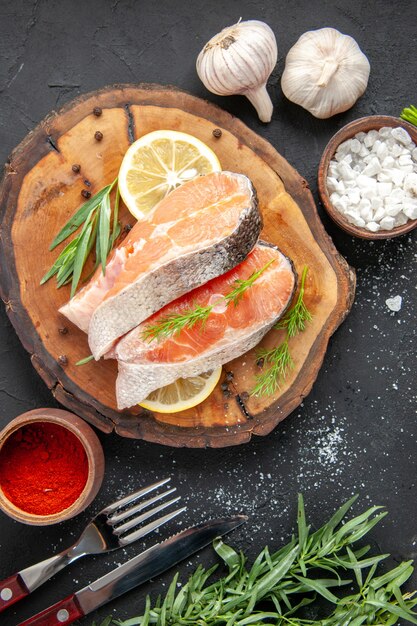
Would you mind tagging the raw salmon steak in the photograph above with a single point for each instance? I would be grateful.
(199, 231)
(229, 331)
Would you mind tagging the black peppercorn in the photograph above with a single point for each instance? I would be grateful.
(63, 330)
(127, 228)
(76, 168)
(244, 396)
(98, 136)
(87, 183)
(63, 359)
(260, 362)
(229, 377)
(97, 111)
(86, 194)
(217, 133)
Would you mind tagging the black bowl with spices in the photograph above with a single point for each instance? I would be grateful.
(51, 466)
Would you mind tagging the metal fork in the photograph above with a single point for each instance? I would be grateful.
(106, 531)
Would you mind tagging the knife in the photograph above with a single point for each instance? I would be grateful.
(138, 570)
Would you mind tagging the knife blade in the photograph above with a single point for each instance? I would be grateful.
(138, 570)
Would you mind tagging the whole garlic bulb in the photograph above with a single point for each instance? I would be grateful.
(325, 72)
(239, 60)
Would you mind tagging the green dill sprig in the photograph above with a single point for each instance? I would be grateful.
(96, 231)
(276, 587)
(277, 362)
(85, 360)
(295, 320)
(409, 114)
(174, 323)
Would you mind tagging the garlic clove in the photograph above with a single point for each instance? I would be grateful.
(239, 60)
(325, 72)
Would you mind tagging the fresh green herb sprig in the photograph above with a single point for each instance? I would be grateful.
(174, 323)
(276, 588)
(277, 362)
(95, 216)
(409, 114)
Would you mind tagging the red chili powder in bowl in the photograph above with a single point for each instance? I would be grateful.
(43, 468)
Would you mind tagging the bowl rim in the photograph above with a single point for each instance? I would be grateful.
(88, 439)
(362, 124)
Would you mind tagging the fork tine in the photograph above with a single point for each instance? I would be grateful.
(119, 517)
(145, 530)
(141, 518)
(133, 496)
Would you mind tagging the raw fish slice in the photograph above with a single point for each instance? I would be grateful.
(149, 235)
(228, 332)
(211, 236)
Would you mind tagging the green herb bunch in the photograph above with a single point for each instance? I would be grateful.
(409, 114)
(274, 590)
(277, 362)
(95, 217)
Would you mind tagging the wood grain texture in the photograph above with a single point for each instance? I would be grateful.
(40, 191)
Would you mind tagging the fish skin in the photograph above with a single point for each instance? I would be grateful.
(116, 316)
(135, 380)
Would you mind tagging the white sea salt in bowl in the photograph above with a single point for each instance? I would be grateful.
(367, 177)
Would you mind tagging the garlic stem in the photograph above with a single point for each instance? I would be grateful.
(260, 99)
(329, 68)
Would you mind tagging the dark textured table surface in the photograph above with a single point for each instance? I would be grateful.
(356, 431)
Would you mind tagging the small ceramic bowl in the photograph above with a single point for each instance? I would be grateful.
(95, 459)
(364, 124)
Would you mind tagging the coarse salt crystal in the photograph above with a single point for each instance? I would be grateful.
(387, 223)
(382, 151)
(363, 151)
(397, 177)
(395, 303)
(410, 212)
(401, 219)
(393, 210)
(366, 182)
(355, 145)
(385, 131)
(367, 214)
(405, 159)
(388, 162)
(373, 226)
(355, 219)
(354, 195)
(384, 177)
(370, 138)
(346, 171)
(376, 202)
(379, 214)
(384, 189)
(332, 183)
(410, 184)
(401, 135)
(373, 167)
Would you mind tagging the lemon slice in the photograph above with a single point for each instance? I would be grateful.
(159, 162)
(182, 394)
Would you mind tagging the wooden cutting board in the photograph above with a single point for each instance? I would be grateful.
(38, 194)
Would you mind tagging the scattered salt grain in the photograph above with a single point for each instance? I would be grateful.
(373, 179)
(395, 303)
